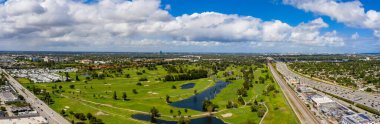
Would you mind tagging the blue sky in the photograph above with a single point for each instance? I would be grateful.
(264, 9)
(258, 26)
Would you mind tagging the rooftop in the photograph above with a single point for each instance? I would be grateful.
(26, 120)
(321, 99)
(358, 119)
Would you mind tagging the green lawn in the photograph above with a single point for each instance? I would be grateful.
(23, 80)
(279, 111)
(96, 97)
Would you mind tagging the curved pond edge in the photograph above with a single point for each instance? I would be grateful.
(201, 120)
(187, 86)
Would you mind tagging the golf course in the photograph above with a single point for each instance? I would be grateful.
(116, 95)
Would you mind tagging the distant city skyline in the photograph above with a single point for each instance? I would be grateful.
(223, 26)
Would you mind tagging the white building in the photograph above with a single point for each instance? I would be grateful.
(318, 100)
(46, 59)
(356, 119)
(24, 120)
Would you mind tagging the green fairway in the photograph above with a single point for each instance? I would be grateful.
(279, 111)
(96, 96)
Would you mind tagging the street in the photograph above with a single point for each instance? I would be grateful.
(43, 109)
(299, 107)
(369, 100)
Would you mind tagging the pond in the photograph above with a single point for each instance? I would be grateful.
(195, 102)
(202, 120)
(187, 86)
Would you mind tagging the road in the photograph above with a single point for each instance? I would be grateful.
(303, 113)
(369, 100)
(43, 109)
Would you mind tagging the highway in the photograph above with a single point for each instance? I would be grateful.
(43, 109)
(369, 100)
(303, 113)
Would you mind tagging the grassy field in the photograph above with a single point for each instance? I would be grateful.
(23, 80)
(279, 111)
(96, 97)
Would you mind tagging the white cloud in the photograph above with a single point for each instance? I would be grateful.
(276, 31)
(355, 36)
(308, 33)
(143, 23)
(351, 13)
(168, 7)
(377, 33)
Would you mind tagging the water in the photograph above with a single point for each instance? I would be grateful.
(187, 86)
(195, 102)
(202, 120)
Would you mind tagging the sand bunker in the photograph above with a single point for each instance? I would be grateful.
(154, 93)
(226, 115)
(100, 113)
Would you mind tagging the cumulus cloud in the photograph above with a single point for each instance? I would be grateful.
(355, 36)
(308, 33)
(142, 23)
(351, 13)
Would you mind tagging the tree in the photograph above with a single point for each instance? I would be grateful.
(181, 120)
(114, 95)
(89, 116)
(168, 99)
(241, 100)
(368, 89)
(143, 79)
(254, 108)
(67, 76)
(230, 104)
(179, 113)
(242, 92)
(208, 106)
(134, 91)
(77, 78)
(20, 97)
(154, 113)
(261, 113)
(63, 112)
(124, 96)
(80, 116)
(2, 108)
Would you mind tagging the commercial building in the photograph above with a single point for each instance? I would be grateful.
(24, 120)
(356, 119)
(318, 100)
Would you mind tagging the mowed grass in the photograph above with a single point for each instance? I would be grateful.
(23, 80)
(279, 111)
(96, 97)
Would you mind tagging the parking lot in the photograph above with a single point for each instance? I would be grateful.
(369, 100)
